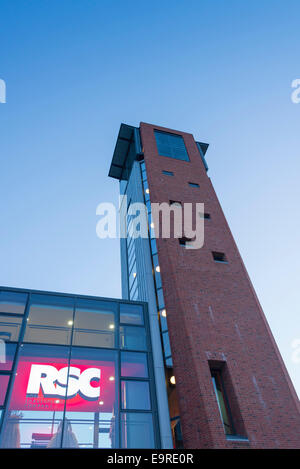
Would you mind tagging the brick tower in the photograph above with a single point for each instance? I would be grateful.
(227, 385)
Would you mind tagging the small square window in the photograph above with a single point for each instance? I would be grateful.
(186, 242)
(193, 184)
(176, 203)
(219, 257)
(206, 216)
(168, 173)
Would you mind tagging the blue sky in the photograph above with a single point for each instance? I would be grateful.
(221, 70)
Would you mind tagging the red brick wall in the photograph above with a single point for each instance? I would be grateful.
(213, 315)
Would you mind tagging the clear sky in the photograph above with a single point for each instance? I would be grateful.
(76, 69)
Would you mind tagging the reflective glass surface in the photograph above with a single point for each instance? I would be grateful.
(137, 430)
(10, 327)
(94, 324)
(12, 302)
(134, 364)
(133, 338)
(50, 320)
(131, 314)
(135, 395)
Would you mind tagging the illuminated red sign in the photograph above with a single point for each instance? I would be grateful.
(66, 382)
(84, 386)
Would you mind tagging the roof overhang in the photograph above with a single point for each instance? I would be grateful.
(124, 141)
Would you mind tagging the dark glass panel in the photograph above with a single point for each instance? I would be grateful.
(133, 338)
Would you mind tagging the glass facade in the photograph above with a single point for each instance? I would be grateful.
(162, 312)
(75, 372)
(157, 277)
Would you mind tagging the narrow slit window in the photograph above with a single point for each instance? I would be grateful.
(168, 173)
(219, 257)
(205, 215)
(222, 402)
(176, 202)
(187, 243)
(193, 184)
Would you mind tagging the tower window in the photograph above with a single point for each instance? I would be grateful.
(171, 145)
(216, 376)
(193, 184)
(187, 242)
(168, 173)
(175, 202)
(219, 257)
(206, 216)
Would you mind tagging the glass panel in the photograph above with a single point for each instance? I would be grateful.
(37, 401)
(132, 278)
(133, 338)
(91, 413)
(147, 197)
(135, 294)
(10, 328)
(12, 302)
(131, 260)
(94, 324)
(4, 380)
(171, 145)
(131, 314)
(134, 365)
(32, 430)
(153, 246)
(148, 205)
(137, 430)
(221, 403)
(7, 353)
(50, 320)
(163, 321)
(158, 280)
(167, 347)
(160, 299)
(169, 362)
(97, 433)
(135, 395)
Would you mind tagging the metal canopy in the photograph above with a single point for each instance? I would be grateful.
(204, 147)
(124, 140)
